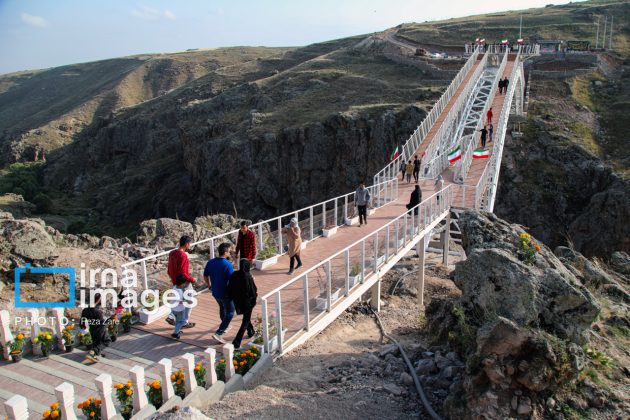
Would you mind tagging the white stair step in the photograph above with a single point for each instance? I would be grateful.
(33, 406)
(85, 368)
(59, 374)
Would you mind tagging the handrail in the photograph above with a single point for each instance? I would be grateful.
(411, 145)
(497, 151)
(403, 229)
(433, 164)
(467, 149)
(381, 194)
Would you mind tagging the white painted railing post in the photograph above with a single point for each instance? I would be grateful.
(136, 374)
(279, 334)
(145, 276)
(210, 355)
(261, 241)
(265, 325)
(34, 316)
(165, 367)
(228, 356)
(190, 382)
(104, 385)
(65, 397)
(58, 326)
(5, 333)
(328, 286)
(307, 309)
(16, 408)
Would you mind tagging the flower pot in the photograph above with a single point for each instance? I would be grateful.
(45, 352)
(126, 328)
(379, 261)
(16, 357)
(321, 301)
(354, 280)
(329, 232)
(146, 317)
(262, 264)
(113, 338)
(68, 349)
(350, 221)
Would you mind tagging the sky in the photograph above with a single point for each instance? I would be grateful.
(48, 33)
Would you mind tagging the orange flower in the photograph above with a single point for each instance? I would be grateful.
(92, 414)
(179, 382)
(80, 406)
(222, 361)
(173, 377)
(97, 402)
(20, 336)
(118, 386)
(129, 392)
(54, 414)
(156, 385)
(46, 414)
(54, 406)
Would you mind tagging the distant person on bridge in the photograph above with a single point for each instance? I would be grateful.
(500, 86)
(484, 135)
(217, 274)
(403, 167)
(416, 168)
(506, 82)
(362, 199)
(243, 292)
(294, 235)
(490, 132)
(414, 200)
(178, 265)
(246, 243)
(489, 115)
(439, 186)
(409, 171)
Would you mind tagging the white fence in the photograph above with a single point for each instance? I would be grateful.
(315, 292)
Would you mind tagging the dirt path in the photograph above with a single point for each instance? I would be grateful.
(345, 372)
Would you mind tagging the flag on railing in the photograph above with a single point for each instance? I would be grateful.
(455, 155)
(477, 40)
(396, 153)
(481, 154)
(482, 40)
(520, 41)
(504, 42)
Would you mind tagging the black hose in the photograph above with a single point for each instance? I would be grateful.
(416, 380)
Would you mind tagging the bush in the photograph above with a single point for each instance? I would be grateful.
(43, 203)
(22, 179)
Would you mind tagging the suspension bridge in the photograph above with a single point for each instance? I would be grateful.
(341, 261)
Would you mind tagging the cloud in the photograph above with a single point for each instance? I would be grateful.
(149, 13)
(33, 20)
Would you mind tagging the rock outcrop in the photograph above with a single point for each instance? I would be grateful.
(521, 321)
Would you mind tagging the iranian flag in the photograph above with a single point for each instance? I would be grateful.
(504, 42)
(455, 155)
(477, 40)
(481, 154)
(396, 153)
(482, 40)
(520, 41)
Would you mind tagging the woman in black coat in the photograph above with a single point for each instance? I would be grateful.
(414, 200)
(243, 292)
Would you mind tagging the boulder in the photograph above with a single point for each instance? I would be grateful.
(163, 233)
(620, 262)
(183, 413)
(28, 239)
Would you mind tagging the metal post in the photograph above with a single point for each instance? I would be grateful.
(265, 325)
(212, 248)
(387, 243)
(604, 34)
(280, 236)
(145, 276)
(336, 224)
(611, 33)
(307, 314)
(421, 257)
(375, 251)
(362, 261)
(311, 223)
(260, 237)
(345, 208)
(347, 264)
(279, 321)
(445, 237)
(597, 36)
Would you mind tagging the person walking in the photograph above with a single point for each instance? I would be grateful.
(294, 236)
(243, 292)
(93, 320)
(489, 115)
(402, 168)
(439, 186)
(362, 199)
(490, 132)
(178, 265)
(409, 171)
(182, 309)
(217, 275)
(484, 134)
(414, 200)
(500, 86)
(416, 168)
(246, 243)
(506, 82)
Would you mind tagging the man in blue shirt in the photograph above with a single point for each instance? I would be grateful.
(217, 274)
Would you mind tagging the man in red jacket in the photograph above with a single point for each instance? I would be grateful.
(489, 115)
(246, 243)
(178, 264)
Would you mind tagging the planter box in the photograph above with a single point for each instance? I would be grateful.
(262, 264)
(329, 232)
(370, 212)
(322, 302)
(273, 340)
(146, 317)
(379, 261)
(352, 221)
(354, 280)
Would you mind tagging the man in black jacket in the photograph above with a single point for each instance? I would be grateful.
(243, 292)
(414, 200)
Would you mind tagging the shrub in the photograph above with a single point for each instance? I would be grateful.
(91, 408)
(124, 395)
(17, 344)
(43, 203)
(53, 413)
(179, 383)
(154, 394)
(242, 361)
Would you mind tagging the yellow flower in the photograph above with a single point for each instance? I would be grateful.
(129, 392)
(48, 337)
(156, 385)
(197, 368)
(173, 377)
(118, 386)
(54, 414)
(20, 336)
(54, 406)
(35, 340)
(46, 414)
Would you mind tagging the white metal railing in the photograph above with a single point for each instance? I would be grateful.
(392, 169)
(312, 220)
(436, 157)
(527, 49)
(497, 151)
(471, 142)
(335, 276)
